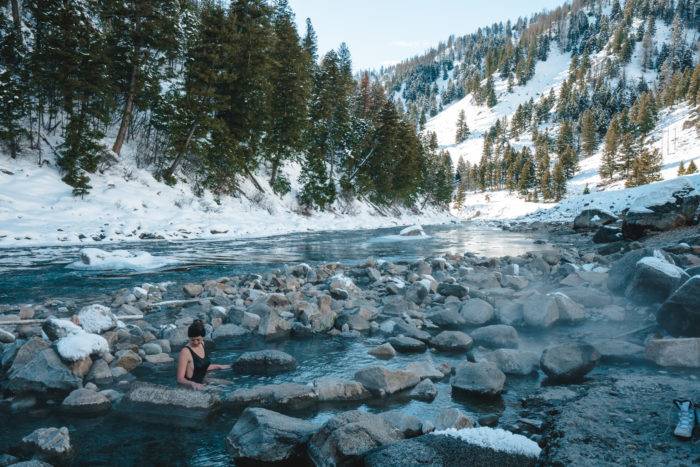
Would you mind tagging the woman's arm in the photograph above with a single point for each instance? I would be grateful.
(215, 367)
(182, 362)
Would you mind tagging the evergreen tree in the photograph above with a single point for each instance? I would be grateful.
(627, 153)
(588, 133)
(691, 169)
(462, 132)
(565, 137)
(490, 93)
(646, 168)
(13, 89)
(608, 163)
(558, 181)
(310, 42)
(681, 169)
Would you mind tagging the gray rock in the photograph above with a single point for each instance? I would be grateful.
(100, 373)
(654, 280)
(607, 234)
(384, 351)
(151, 348)
(7, 459)
(447, 318)
(679, 210)
(159, 359)
(510, 313)
(97, 319)
(85, 402)
(589, 219)
(426, 369)
(424, 391)
(49, 444)
(24, 353)
(540, 311)
(331, 389)
(44, 373)
(408, 425)
(153, 402)
(345, 438)
(480, 379)
(406, 344)
(265, 436)
(681, 352)
(381, 380)
(452, 418)
(452, 290)
(452, 341)
(192, 290)
(6, 337)
(568, 363)
(618, 350)
(401, 327)
(680, 314)
(569, 310)
(127, 359)
(476, 312)
(285, 396)
(622, 270)
(515, 362)
(496, 336)
(227, 332)
(587, 296)
(264, 362)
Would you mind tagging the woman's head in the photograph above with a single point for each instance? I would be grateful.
(196, 332)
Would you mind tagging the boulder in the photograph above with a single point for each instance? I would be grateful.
(331, 389)
(345, 438)
(159, 359)
(447, 289)
(75, 347)
(264, 362)
(127, 359)
(43, 373)
(155, 403)
(654, 280)
(49, 444)
(540, 311)
(567, 363)
(408, 425)
(510, 313)
(496, 336)
(99, 373)
(381, 380)
(621, 271)
(447, 318)
(401, 327)
(424, 391)
(228, 332)
(452, 418)
(569, 310)
(675, 205)
(151, 348)
(406, 344)
(469, 446)
(589, 219)
(384, 351)
(452, 341)
(607, 234)
(24, 352)
(515, 362)
(587, 296)
(284, 396)
(476, 312)
(6, 337)
(192, 290)
(85, 402)
(55, 328)
(262, 435)
(618, 350)
(426, 369)
(680, 313)
(681, 352)
(97, 319)
(480, 379)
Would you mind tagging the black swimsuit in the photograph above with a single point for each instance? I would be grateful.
(200, 367)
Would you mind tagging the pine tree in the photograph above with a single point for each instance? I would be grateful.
(588, 133)
(490, 93)
(565, 137)
(627, 153)
(646, 168)
(462, 132)
(681, 169)
(310, 41)
(558, 181)
(608, 163)
(13, 88)
(691, 169)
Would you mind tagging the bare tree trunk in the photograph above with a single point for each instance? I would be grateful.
(171, 170)
(275, 170)
(17, 14)
(128, 110)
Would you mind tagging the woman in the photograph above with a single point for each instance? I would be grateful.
(193, 363)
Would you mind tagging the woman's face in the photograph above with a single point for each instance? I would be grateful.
(196, 341)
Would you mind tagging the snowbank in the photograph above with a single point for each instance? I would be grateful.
(101, 260)
(496, 439)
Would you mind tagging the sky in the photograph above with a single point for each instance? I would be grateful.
(384, 32)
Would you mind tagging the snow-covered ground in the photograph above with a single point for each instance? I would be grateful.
(37, 208)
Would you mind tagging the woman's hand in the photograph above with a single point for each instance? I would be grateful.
(219, 367)
(196, 386)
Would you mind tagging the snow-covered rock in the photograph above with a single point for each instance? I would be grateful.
(97, 318)
(100, 260)
(77, 346)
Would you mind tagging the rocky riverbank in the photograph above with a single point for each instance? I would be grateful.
(612, 339)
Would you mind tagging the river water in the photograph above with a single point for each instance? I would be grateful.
(30, 275)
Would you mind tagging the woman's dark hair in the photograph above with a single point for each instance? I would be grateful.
(196, 329)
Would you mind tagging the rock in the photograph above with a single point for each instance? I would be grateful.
(25, 352)
(607, 234)
(417, 292)
(447, 318)
(439, 449)
(49, 444)
(97, 319)
(514, 282)
(540, 311)
(621, 271)
(569, 311)
(480, 379)
(75, 347)
(159, 359)
(44, 373)
(85, 402)
(587, 296)
(424, 391)
(452, 290)
(682, 352)
(384, 351)
(153, 402)
(406, 344)
(496, 336)
(654, 280)
(409, 330)
(264, 362)
(408, 425)
(618, 350)
(331, 389)
(678, 208)
(476, 312)
(452, 418)
(680, 313)
(452, 341)
(412, 231)
(381, 380)
(227, 332)
(192, 290)
(100, 373)
(151, 348)
(426, 369)
(589, 219)
(55, 328)
(345, 438)
(6, 337)
(127, 359)
(284, 396)
(510, 313)
(515, 362)
(275, 323)
(32, 463)
(7, 459)
(567, 363)
(265, 436)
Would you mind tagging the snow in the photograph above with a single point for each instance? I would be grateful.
(77, 346)
(412, 230)
(68, 326)
(661, 265)
(96, 318)
(496, 439)
(100, 260)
